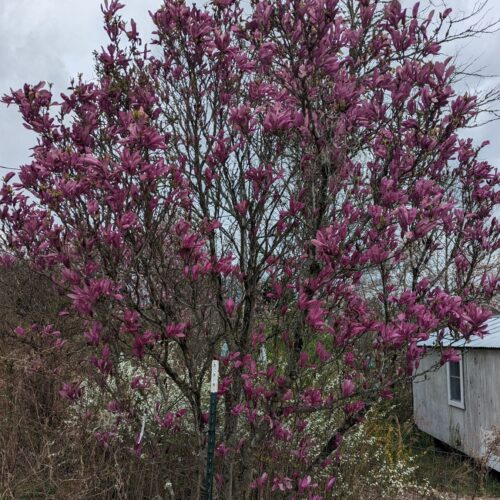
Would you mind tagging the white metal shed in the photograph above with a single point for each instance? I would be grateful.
(459, 402)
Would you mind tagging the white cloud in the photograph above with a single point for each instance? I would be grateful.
(53, 41)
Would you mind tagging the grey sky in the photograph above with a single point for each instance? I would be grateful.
(53, 40)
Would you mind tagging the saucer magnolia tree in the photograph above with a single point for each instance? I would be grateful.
(281, 186)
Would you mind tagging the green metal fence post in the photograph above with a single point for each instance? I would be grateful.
(209, 478)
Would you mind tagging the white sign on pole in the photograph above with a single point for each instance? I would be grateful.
(214, 382)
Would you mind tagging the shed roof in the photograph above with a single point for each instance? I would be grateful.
(490, 340)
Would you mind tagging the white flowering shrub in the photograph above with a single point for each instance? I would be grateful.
(377, 464)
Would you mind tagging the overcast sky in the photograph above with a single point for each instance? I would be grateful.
(53, 40)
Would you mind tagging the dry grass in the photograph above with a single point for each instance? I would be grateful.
(43, 454)
(47, 449)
